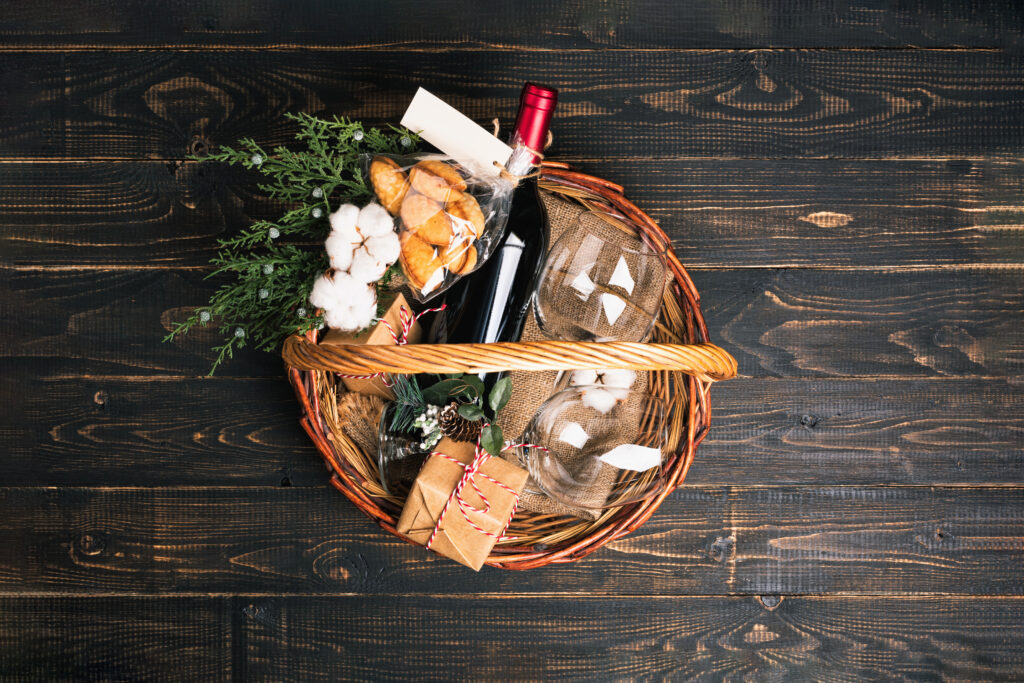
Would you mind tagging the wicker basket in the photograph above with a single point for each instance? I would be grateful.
(682, 366)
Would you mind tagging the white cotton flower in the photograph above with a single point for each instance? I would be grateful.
(344, 218)
(583, 377)
(366, 267)
(348, 305)
(340, 244)
(602, 389)
(374, 220)
(329, 291)
(599, 399)
(385, 247)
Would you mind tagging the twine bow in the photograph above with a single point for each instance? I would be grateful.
(472, 470)
(401, 337)
(512, 177)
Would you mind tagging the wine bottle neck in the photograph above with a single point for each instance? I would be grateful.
(536, 106)
(523, 159)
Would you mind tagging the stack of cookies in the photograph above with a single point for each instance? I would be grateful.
(440, 219)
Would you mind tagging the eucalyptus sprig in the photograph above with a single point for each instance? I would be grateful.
(270, 266)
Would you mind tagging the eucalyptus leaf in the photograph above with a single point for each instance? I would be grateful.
(492, 439)
(476, 383)
(500, 394)
(471, 411)
(439, 392)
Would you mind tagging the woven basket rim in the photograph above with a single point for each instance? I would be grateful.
(592, 192)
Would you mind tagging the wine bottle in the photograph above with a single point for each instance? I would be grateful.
(492, 304)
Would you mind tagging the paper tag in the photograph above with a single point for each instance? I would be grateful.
(455, 134)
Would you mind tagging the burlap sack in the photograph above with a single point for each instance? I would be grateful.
(531, 389)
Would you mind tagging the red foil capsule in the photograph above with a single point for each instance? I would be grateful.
(536, 106)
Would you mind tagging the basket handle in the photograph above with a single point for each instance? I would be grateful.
(704, 361)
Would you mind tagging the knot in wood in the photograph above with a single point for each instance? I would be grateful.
(91, 545)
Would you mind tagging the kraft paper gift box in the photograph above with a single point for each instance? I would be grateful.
(379, 334)
(457, 539)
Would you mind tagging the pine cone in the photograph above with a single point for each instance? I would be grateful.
(456, 427)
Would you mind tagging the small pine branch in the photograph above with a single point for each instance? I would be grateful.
(270, 266)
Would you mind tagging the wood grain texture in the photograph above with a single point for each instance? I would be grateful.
(776, 322)
(530, 24)
(765, 104)
(808, 323)
(117, 431)
(115, 639)
(124, 431)
(702, 541)
(667, 638)
(736, 213)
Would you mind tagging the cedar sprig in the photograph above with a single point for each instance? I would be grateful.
(270, 266)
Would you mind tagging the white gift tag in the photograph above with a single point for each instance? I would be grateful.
(455, 134)
(630, 456)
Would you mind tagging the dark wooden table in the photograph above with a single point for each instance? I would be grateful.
(843, 180)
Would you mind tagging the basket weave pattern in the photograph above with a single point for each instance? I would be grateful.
(681, 362)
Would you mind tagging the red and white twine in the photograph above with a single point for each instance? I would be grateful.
(480, 457)
(401, 338)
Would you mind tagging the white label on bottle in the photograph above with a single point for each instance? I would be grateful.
(455, 134)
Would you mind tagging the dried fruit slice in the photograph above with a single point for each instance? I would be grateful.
(419, 260)
(466, 215)
(437, 180)
(389, 183)
(425, 217)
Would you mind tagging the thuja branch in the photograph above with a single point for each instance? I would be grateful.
(269, 267)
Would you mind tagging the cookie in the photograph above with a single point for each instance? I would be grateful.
(454, 256)
(426, 219)
(389, 183)
(420, 261)
(466, 215)
(468, 263)
(437, 180)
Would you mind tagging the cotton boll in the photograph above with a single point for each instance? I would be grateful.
(345, 218)
(584, 377)
(619, 378)
(326, 292)
(339, 250)
(340, 319)
(599, 399)
(385, 247)
(375, 220)
(366, 267)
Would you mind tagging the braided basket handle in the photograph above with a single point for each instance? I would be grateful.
(704, 361)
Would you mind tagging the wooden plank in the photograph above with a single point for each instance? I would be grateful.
(115, 639)
(863, 432)
(777, 322)
(764, 104)
(119, 431)
(733, 213)
(110, 322)
(521, 25)
(811, 323)
(669, 638)
(115, 431)
(703, 541)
